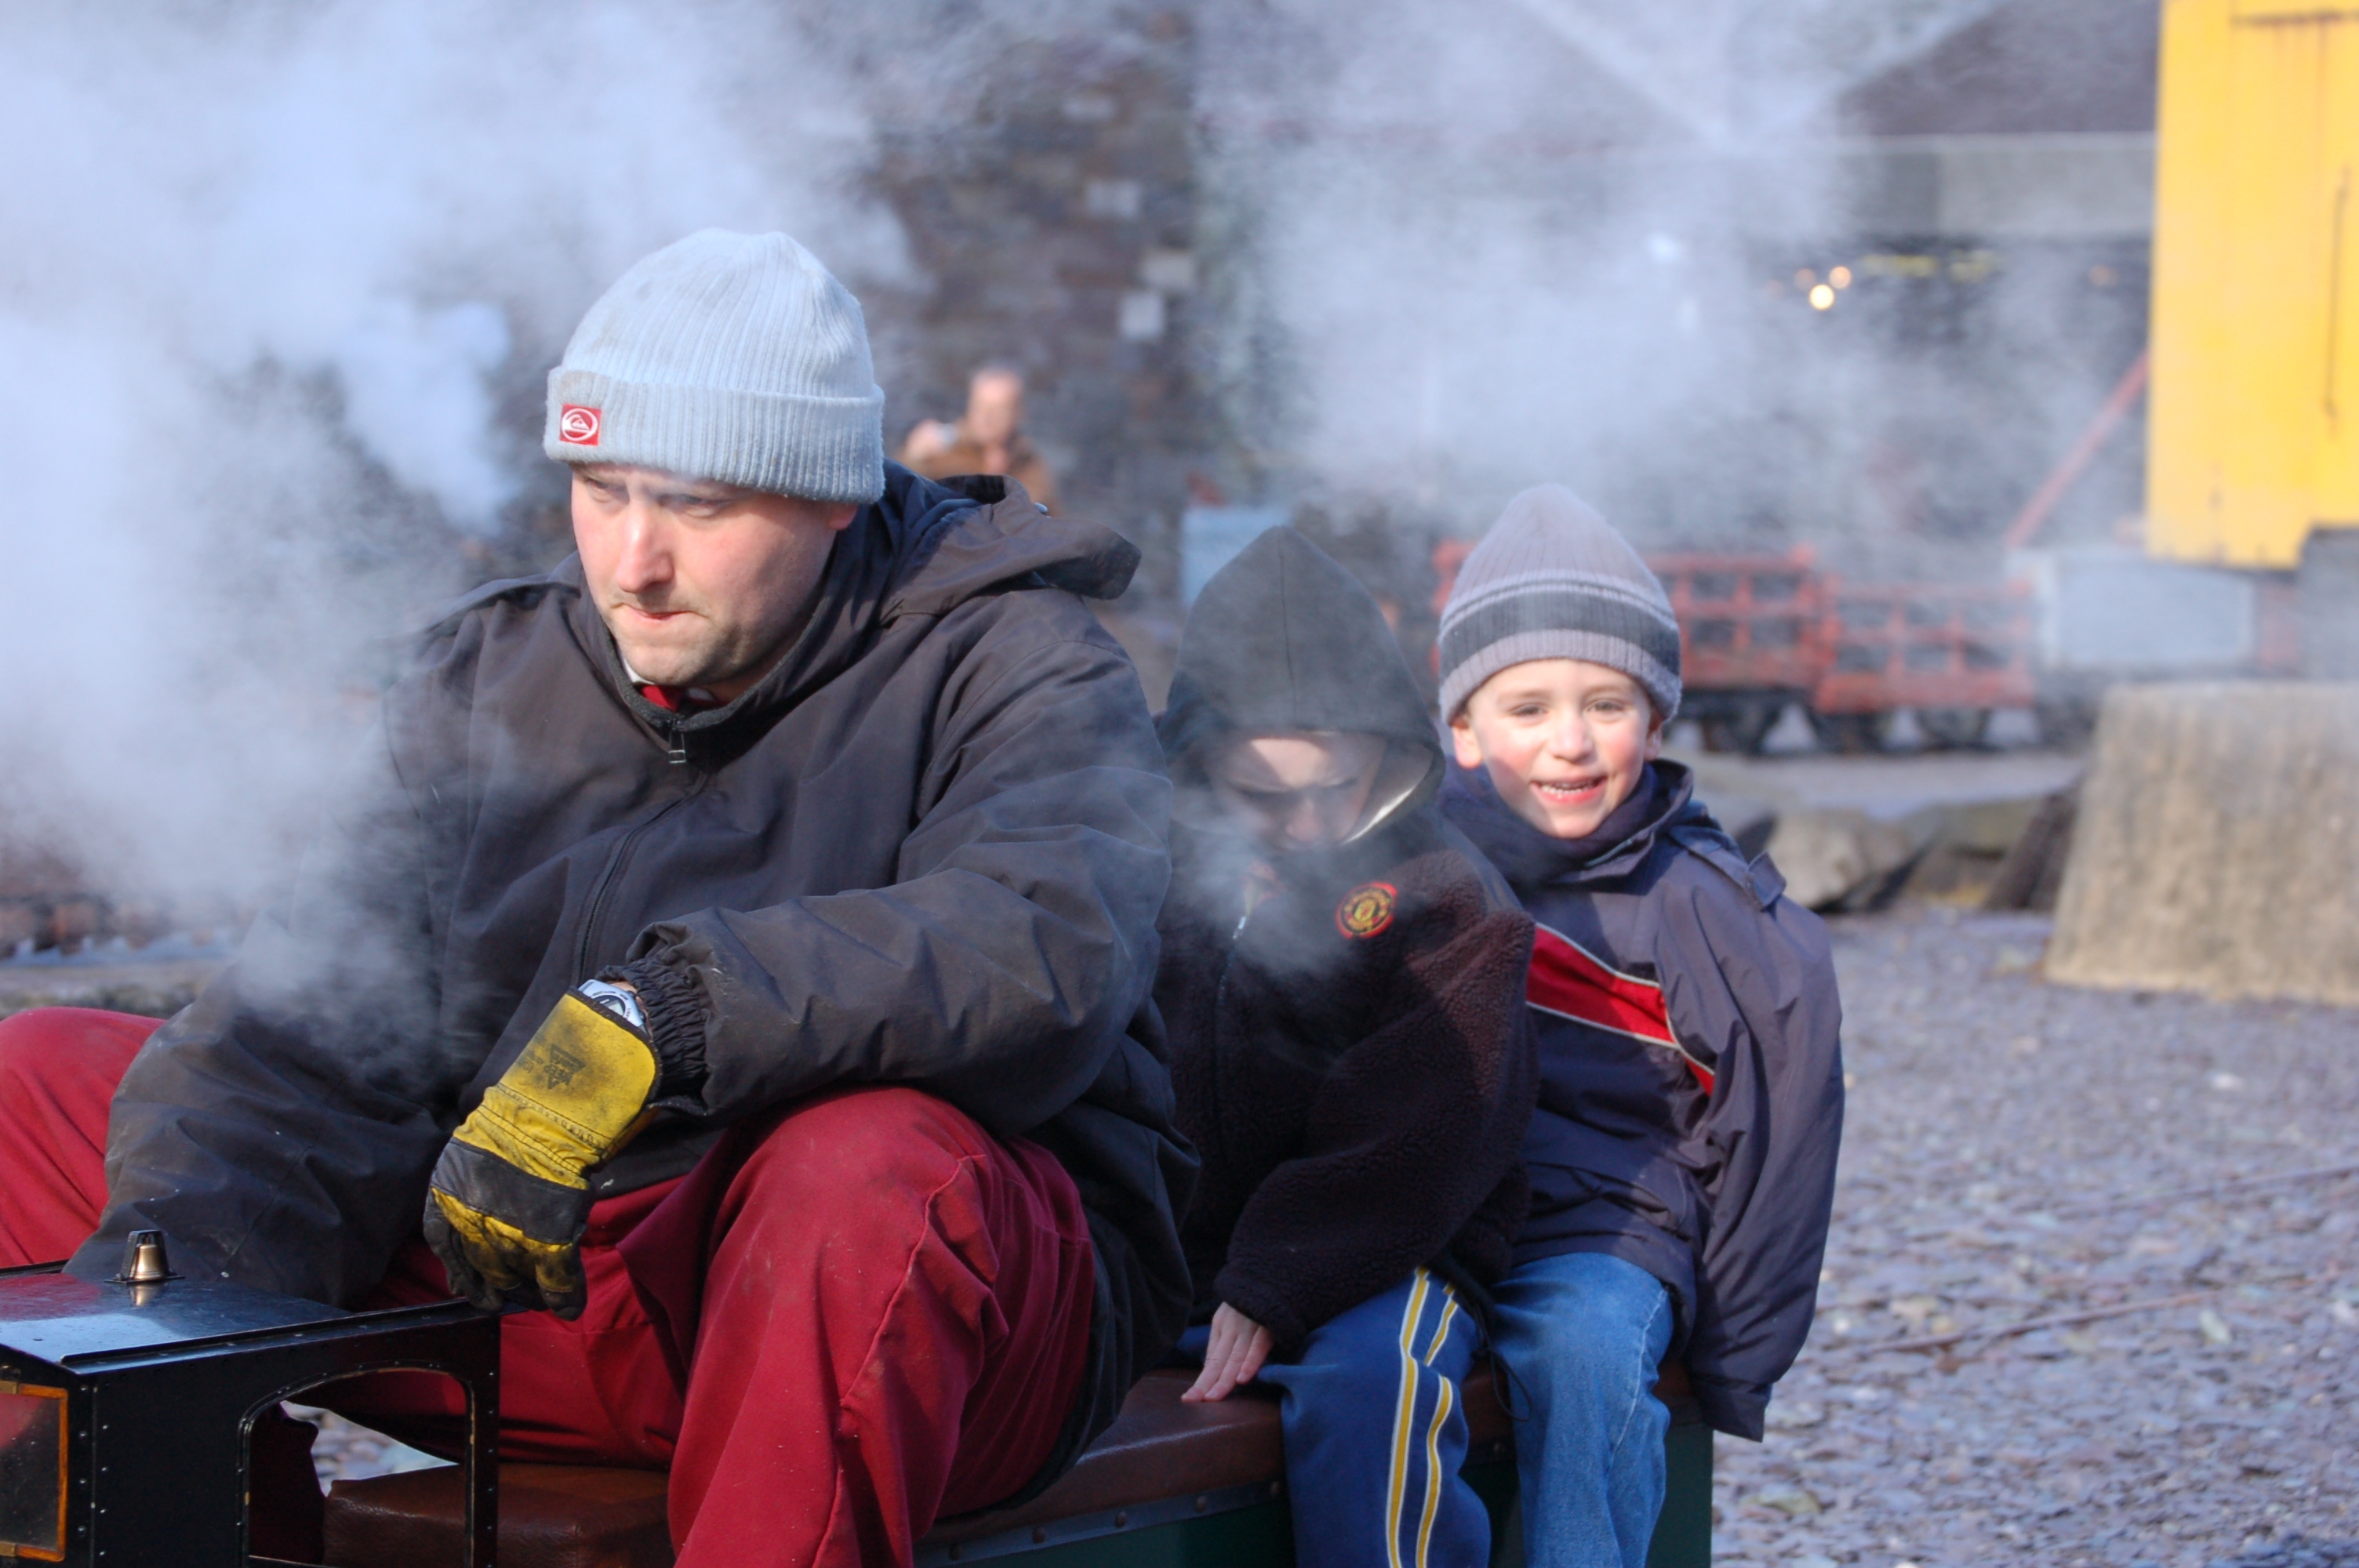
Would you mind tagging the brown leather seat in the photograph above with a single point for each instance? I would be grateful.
(551, 1516)
(566, 1516)
(1157, 1447)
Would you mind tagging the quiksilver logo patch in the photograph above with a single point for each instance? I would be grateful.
(577, 426)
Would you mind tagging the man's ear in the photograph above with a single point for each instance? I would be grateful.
(841, 518)
(1463, 742)
(1654, 733)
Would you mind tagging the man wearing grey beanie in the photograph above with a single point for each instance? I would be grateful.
(736, 942)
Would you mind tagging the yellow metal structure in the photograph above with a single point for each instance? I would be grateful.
(2253, 438)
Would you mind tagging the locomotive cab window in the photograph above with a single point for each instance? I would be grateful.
(32, 1472)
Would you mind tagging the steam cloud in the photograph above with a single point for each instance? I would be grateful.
(270, 275)
(280, 283)
(1530, 240)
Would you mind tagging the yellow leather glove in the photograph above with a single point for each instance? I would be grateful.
(510, 1197)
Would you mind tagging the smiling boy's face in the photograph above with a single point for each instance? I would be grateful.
(1563, 739)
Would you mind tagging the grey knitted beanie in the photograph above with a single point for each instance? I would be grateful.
(1554, 580)
(729, 357)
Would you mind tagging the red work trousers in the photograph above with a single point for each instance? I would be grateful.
(856, 1315)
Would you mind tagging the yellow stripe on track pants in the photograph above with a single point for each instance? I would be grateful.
(1376, 1434)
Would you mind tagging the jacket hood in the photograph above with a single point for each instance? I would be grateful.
(1282, 640)
(923, 548)
(982, 532)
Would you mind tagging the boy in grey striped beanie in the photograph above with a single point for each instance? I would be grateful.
(1677, 1003)
(1559, 662)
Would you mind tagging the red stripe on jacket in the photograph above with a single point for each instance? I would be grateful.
(1569, 981)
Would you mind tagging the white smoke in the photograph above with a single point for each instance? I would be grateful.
(1534, 240)
(278, 284)
(268, 277)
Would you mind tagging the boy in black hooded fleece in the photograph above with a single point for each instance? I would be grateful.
(1342, 979)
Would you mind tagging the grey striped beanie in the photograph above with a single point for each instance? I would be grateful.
(1554, 580)
(729, 357)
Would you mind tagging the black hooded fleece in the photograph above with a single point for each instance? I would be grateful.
(1347, 1027)
(926, 848)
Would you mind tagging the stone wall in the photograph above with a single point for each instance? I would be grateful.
(1055, 229)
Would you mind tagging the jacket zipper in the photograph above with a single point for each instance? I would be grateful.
(605, 883)
(1220, 1008)
(1221, 990)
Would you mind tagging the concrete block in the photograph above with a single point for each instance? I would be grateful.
(1832, 856)
(2217, 845)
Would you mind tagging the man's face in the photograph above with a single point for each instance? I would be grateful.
(994, 407)
(1296, 791)
(700, 583)
(1564, 741)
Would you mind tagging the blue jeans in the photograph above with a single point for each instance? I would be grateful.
(1582, 1334)
(1376, 1433)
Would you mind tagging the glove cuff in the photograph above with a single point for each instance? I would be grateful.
(675, 1026)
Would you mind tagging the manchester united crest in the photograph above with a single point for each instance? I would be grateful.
(1366, 909)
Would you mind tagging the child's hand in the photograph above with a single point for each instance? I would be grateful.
(1238, 1347)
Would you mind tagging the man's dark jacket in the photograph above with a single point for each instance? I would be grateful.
(1347, 1026)
(927, 848)
(1709, 1162)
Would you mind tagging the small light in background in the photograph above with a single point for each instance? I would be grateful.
(1804, 278)
(1840, 277)
(1822, 297)
(2102, 276)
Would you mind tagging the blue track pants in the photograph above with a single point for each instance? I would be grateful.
(1375, 1432)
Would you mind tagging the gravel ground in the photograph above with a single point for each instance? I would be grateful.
(1997, 1125)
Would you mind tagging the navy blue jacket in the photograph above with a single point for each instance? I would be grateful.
(1690, 1073)
(927, 848)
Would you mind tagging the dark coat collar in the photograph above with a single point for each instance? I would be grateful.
(923, 548)
(1663, 808)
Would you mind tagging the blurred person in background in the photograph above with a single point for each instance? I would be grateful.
(732, 948)
(987, 438)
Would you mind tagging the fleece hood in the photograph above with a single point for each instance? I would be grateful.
(1283, 640)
